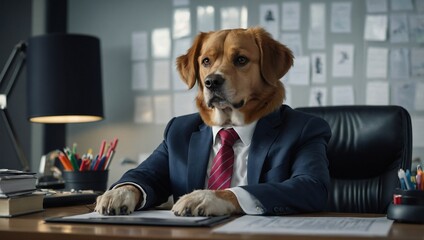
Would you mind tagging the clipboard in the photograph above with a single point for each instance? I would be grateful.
(146, 218)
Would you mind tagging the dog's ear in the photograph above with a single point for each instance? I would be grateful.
(187, 64)
(276, 58)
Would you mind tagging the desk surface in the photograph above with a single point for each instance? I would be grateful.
(32, 226)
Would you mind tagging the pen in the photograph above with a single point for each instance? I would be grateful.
(102, 148)
(403, 180)
(65, 162)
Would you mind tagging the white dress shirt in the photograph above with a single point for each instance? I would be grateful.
(248, 203)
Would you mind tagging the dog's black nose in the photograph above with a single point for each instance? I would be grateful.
(214, 81)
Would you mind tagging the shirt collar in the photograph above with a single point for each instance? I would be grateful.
(245, 132)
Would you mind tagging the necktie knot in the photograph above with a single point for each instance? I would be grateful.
(228, 137)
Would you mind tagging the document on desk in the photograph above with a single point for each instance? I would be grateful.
(341, 226)
(151, 217)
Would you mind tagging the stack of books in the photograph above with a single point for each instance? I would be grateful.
(18, 193)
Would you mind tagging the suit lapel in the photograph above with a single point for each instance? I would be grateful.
(264, 135)
(198, 157)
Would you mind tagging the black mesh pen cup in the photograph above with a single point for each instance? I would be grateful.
(85, 180)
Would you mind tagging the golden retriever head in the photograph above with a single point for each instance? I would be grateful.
(238, 74)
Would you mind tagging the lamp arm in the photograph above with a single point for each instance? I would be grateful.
(18, 55)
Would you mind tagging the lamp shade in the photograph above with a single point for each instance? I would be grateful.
(64, 83)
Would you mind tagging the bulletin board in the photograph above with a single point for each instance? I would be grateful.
(347, 52)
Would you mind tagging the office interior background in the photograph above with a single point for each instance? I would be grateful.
(380, 42)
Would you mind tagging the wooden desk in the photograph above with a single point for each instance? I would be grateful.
(33, 227)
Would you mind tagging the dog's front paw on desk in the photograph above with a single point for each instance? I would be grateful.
(207, 203)
(119, 201)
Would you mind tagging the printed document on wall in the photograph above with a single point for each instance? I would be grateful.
(417, 62)
(294, 42)
(377, 6)
(299, 73)
(343, 60)
(342, 95)
(290, 19)
(182, 26)
(416, 26)
(377, 62)
(205, 18)
(139, 46)
(399, 63)
(161, 43)
(319, 67)
(419, 97)
(316, 32)
(377, 93)
(143, 110)
(318, 97)
(417, 127)
(269, 18)
(341, 17)
(403, 94)
(375, 27)
(399, 31)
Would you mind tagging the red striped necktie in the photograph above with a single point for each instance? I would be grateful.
(222, 165)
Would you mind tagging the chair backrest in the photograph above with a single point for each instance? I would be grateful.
(368, 146)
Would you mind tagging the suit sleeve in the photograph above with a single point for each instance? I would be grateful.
(306, 188)
(152, 175)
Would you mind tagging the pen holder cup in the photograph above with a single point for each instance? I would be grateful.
(85, 180)
(407, 206)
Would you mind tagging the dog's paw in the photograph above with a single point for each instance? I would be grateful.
(119, 201)
(203, 203)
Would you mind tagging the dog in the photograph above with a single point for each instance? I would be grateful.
(237, 72)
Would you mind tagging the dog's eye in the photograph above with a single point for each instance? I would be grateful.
(206, 62)
(240, 61)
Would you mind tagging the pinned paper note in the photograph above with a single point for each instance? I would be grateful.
(376, 6)
(316, 32)
(294, 42)
(161, 43)
(182, 25)
(399, 31)
(319, 67)
(318, 97)
(342, 95)
(290, 19)
(205, 18)
(377, 62)
(375, 27)
(416, 23)
(299, 74)
(341, 17)
(269, 18)
(417, 62)
(399, 63)
(377, 93)
(343, 60)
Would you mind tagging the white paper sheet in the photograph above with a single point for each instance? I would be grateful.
(377, 62)
(290, 19)
(269, 18)
(417, 62)
(161, 74)
(419, 97)
(299, 74)
(319, 67)
(155, 214)
(377, 6)
(377, 93)
(318, 97)
(401, 5)
(205, 18)
(375, 27)
(403, 94)
(399, 31)
(184, 102)
(399, 63)
(328, 226)
(139, 46)
(182, 25)
(418, 130)
(343, 60)
(143, 110)
(341, 17)
(342, 95)
(233, 17)
(180, 47)
(162, 108)
(161, 43)
(139, 77)
(316, 31)
(294, 42)
(416, 27)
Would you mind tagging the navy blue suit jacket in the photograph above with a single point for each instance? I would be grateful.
(287, 166)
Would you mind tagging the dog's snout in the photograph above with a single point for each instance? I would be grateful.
(214, 81)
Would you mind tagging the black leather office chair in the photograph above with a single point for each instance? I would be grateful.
(368, 146)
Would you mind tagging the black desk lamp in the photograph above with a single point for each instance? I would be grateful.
(63, 81)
